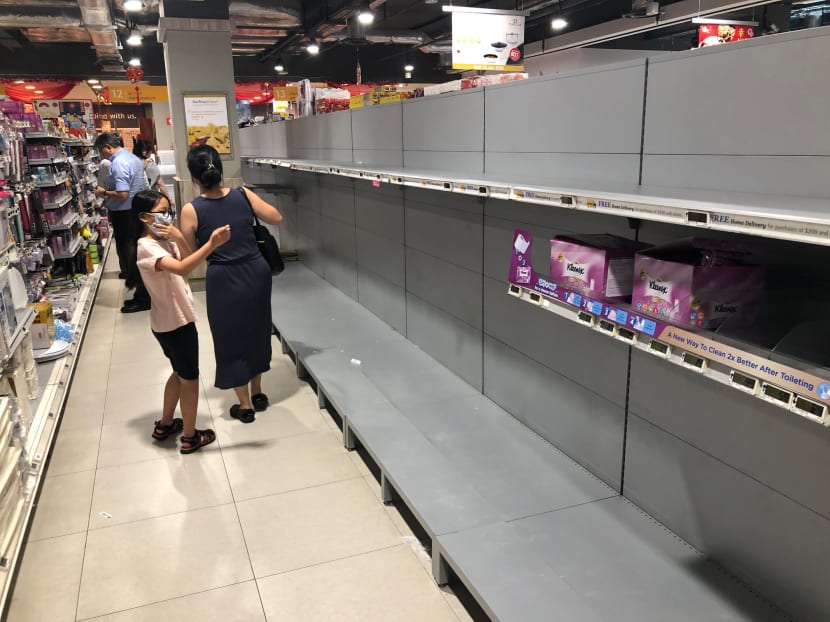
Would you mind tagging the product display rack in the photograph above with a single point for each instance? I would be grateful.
(796, 386)
(54, 380)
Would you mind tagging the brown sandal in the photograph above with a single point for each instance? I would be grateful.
(197, 441)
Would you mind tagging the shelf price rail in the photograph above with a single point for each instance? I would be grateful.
(794, 390)
(804, 219)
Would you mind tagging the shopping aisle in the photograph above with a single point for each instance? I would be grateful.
(275, 521)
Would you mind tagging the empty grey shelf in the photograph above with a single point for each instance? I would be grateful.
(532, 534)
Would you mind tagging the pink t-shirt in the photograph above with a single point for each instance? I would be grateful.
(172, 300)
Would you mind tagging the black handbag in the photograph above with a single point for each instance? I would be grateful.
(266, 242)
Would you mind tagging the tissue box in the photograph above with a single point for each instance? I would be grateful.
(700, 283)
(40, 337)
(598, 265)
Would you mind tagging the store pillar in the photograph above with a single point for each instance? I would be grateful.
(199, 61)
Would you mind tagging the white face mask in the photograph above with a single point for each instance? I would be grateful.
(160, 219)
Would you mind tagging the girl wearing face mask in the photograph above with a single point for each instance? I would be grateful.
(163, 260)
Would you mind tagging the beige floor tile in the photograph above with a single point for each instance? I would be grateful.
(84, 397)
(391, 510)
(142, 490)
(150, 561)
(290, 417)
(139, 404)
(308, 527)
(141, 374)
(63, 505)
(127, 442)
(149, 356)
(271, 466)
(235, 603)
(387, 585)
(75, 450)
(47, 584)
(83, 410)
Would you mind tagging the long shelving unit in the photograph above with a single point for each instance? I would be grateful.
(804, 220)
(54, 380)
(797, 387)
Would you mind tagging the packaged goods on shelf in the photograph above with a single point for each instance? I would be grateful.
(8, 316)
(446, 87)
(697, 282)
(600, 265)
(489, 80)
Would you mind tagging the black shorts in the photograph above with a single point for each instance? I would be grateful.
(181, 346)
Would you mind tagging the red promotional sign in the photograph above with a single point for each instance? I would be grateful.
(717, 34)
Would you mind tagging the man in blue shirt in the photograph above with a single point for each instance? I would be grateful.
(126, 179)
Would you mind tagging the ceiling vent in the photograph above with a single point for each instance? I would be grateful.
(643, 8)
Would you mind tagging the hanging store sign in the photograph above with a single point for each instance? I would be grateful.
(487, 40)
(718, 33)
(207, 122)
(285, 93)
(126, 94)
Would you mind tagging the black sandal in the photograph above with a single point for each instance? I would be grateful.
(259, 401)
(197, 441)
(246, 415)
(161, 432)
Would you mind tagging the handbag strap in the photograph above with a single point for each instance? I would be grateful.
(248, 201)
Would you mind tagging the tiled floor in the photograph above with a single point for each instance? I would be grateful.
(275, 521)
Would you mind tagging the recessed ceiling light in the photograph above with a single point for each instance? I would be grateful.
(409, 67)
(38, 92)
(313, 47)
(134, 39)
(30, 87)
(20, 81)
(97, 87)
(135, 61)
(559, 24)
(92, 81)
(133, 5)
(365, 16)
(279, 68)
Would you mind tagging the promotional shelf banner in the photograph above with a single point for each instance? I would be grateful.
(206, 118)
(488, 41)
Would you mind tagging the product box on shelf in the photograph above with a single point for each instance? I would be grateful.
(45, 317)
(600, 265)
(8, 316)
(697, 282)
(10, 107)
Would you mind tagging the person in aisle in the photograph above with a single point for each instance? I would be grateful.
(126, 179)
(238, 280)
(144, 150)
(164, 260)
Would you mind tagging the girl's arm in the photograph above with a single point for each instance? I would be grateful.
(264, 211)
(185, 266)
(185, 238)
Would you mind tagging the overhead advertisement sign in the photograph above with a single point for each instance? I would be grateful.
(719, 33)
(488, 40)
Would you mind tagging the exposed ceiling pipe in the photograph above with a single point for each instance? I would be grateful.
(98, 21)
(60, 20)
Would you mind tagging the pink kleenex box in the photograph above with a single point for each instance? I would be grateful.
(599, 265)
(697, 282)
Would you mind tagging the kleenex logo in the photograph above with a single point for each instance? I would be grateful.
(726, 308)
(656, 286)
(575, 268)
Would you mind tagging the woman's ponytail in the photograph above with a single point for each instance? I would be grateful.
(205, 166)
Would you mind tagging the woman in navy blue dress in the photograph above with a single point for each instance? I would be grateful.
(238, 282)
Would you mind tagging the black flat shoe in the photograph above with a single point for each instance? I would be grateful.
(246, 415)
(259, 401)
(133, 306)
